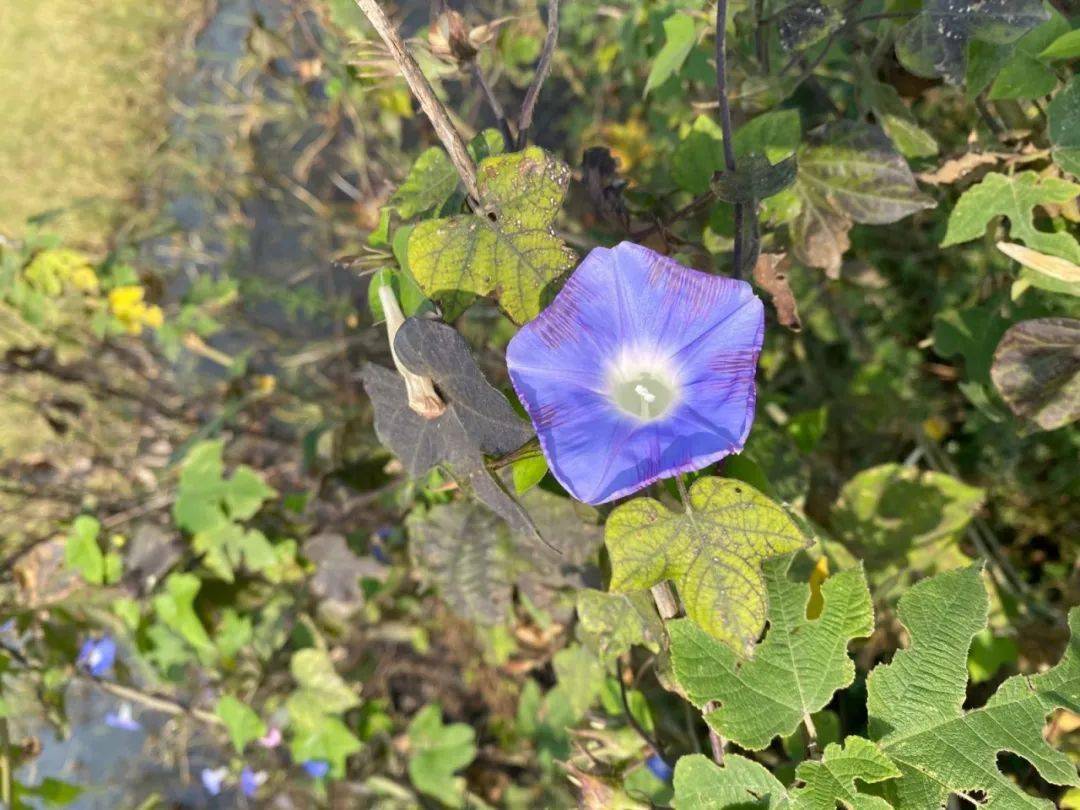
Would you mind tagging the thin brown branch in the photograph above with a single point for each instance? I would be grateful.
(493, 103)
(543, 67)
(729, 139)
(429, 102)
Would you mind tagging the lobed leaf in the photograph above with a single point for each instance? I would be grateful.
(793, 672)
(507, 249)
(713, 551)
(437, 752)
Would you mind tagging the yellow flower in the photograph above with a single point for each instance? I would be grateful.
(127, 306)
(52, 270)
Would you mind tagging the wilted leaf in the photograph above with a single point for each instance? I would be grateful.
(1013, 196)
(915, 704)
(679, 38)
(935, 42)
(614, 622)
(433, 178)
(754, 178)
(770, 273)
(803, 23)
(464, 550)
(1045, 272)
(713, 552)
(508, 249)
(886, 512)
(793, 672)
(957, 168)
(338, 569)
(1064, 126)
(437, 752)
(477, 420)
(848, 172)
(740, 783)
(1037, 370)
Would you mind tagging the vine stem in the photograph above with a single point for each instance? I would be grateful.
(811, 737)
(543, 67)
(666, 602)
(725, 127)
(5, 763)
(421, 88)
(716, 742)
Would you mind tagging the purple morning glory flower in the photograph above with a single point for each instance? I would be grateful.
(122, 719)
(659, 768)
(213, 779)
(97, 656)
(316, 768)
(640, 369)
(251, 781)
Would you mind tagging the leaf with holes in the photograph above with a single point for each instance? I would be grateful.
(740, 783)
(935, 42)
(477, 421)
(1014, 197)
(793, 672)
(508, 249)
(916, 705)
(848, 172)
(713, 552)
(1036, 370)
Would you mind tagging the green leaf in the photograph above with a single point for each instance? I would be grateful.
(1013, 196)
(437, 752)
(988, 654)
(205, 501)
(612, 623)
(82, 552)
(229, 545)
(713, 552)
(740, 783)
(580, 675)
(754, 179)
(1037, 370)
(241, 721)
(1025, 75)
(432, 179)
(1064, 126)
(320, 684)
(848, 172)
(896, 119)
(322, 736)
(245, 492)
(915, 704)
(793, 672)
(176, 610)
(510, 250)
(528, 472)
(680, 35)
(406, 291)
(54, 792)
(935, 42)
(886, 513)
(1066, 46)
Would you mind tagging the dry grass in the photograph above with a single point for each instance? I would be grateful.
(82, 108)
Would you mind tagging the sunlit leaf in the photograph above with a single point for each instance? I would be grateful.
(614, 622)
(320, 685)
(509, 249)
(82, 552)
(1037, 370)
(896, 120)
(1045, 272)
(713, 552)
(432, 178)
(175, 608)
(1015, 197)
(1066, 46)
(679, 37)
(792, 673)
(241, 721)
(916, 704)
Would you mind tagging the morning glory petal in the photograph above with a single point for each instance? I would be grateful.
(640, 369)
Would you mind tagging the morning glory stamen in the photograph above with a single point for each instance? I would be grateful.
(640, 369)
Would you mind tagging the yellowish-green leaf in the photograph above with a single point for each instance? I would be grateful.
(509, 250)
(241, 721)
(679, 38)
(82, 552)
(713, 552)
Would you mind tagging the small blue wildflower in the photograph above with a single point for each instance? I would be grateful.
(123, 719)
(316, 768)
(251, 781)
(659, 767)
(640, 369)
(97, 656)
(213, 779)
(7, 627)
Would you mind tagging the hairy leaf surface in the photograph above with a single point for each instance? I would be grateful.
(793, 672)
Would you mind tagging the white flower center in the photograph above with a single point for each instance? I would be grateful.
(642, 384)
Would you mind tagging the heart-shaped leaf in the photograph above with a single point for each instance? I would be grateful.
(1036, 370)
